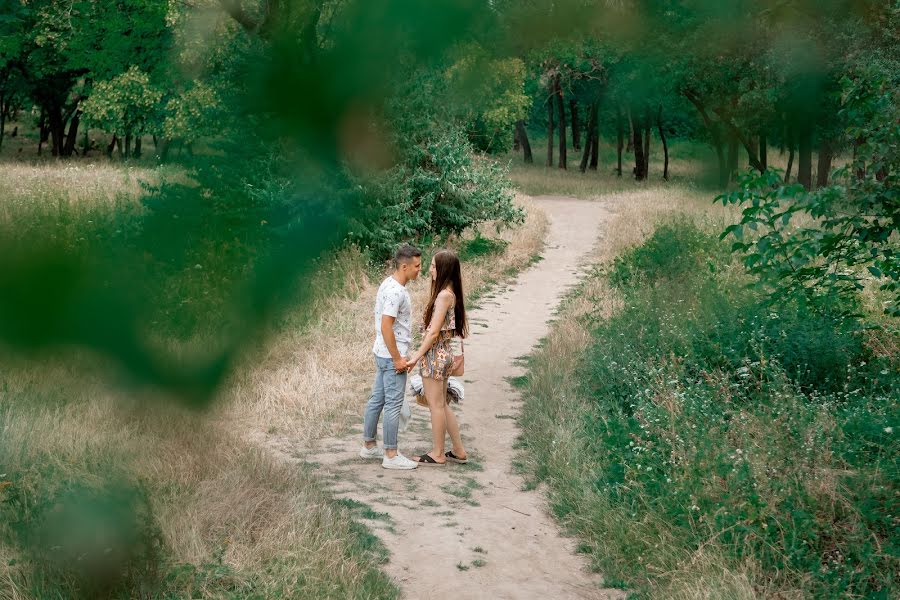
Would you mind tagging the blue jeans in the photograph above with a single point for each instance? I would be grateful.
(387, 394)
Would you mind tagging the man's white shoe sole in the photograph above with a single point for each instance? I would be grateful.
(400, 467)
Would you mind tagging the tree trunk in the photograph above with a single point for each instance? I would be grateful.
(722, 161)
(804, 164)
(516, 145)
(630, 144)
(522, 137)
(57, 129)
(128, 146)
(576, 132)
(620, 141)
(2, 119)
(715, 132)
(824, 167)
(638, 144)
(763, 152)
(112, 146)
(595, 137)
(72, 137)
(137, 147)
(87, 143)
(165, 145)
(648, 123)
(790, 165)
(589, 140)
(43, 132)
(561, 108)
(732, 157)
(860, 166)
(665, 145)
(550, 127)
(586, 155)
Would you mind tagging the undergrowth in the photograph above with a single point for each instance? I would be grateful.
(722, 447)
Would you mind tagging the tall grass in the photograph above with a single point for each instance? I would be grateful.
(702, 446)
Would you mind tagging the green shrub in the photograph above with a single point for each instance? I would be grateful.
(712, 419)
(439, 188)
(481, 246)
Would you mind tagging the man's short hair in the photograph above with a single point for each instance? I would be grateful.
(405, 253)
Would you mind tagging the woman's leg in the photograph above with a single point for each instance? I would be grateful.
(434, 392)
(453, 430)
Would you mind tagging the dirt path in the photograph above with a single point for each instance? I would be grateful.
(471, 531)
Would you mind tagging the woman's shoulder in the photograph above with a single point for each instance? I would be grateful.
(446, 294)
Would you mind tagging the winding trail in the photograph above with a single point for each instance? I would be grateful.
(471, 531)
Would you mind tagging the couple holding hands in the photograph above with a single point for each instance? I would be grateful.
(444, 318)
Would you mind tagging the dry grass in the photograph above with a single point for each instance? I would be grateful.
(310, 382)
(213, 490)
(77, 181)
(210, 492)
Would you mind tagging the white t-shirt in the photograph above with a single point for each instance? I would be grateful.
(393, 300)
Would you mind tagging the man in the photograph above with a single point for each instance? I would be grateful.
(393, 321)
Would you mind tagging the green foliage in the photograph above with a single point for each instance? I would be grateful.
(488, 106)
(822, 246)
(439, 188)
(481, 246)
(763, 434)
(194, 114)
(125, 105)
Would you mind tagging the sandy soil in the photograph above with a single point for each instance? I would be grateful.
(471, 531)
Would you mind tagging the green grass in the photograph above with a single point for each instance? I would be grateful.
(363, 510)
(480, 246)
(463, 490)
(518, 382)
(707, 445)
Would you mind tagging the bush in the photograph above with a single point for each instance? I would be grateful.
(712, 422)
(440, 188)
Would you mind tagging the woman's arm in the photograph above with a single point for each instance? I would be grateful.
(441, 306)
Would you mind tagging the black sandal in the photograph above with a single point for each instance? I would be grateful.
(460, 461)
(425, 459)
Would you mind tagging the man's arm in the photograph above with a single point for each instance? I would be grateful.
(387, 332)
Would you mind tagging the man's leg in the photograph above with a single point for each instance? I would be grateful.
(375, 405)
(394, 390)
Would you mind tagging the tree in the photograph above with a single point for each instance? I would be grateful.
(848, 230)
(522, 136)
(126, 106)
(561, 111)
(69, 45)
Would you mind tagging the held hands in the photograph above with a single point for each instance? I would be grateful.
(401, 364)
(412, 362)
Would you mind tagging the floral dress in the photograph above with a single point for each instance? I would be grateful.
(438, 361)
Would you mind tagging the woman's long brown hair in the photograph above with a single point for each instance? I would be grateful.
(446, 263)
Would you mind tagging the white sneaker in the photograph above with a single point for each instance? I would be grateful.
(399, 462)
(373, 452)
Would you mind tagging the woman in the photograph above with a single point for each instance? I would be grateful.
(445, 317)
